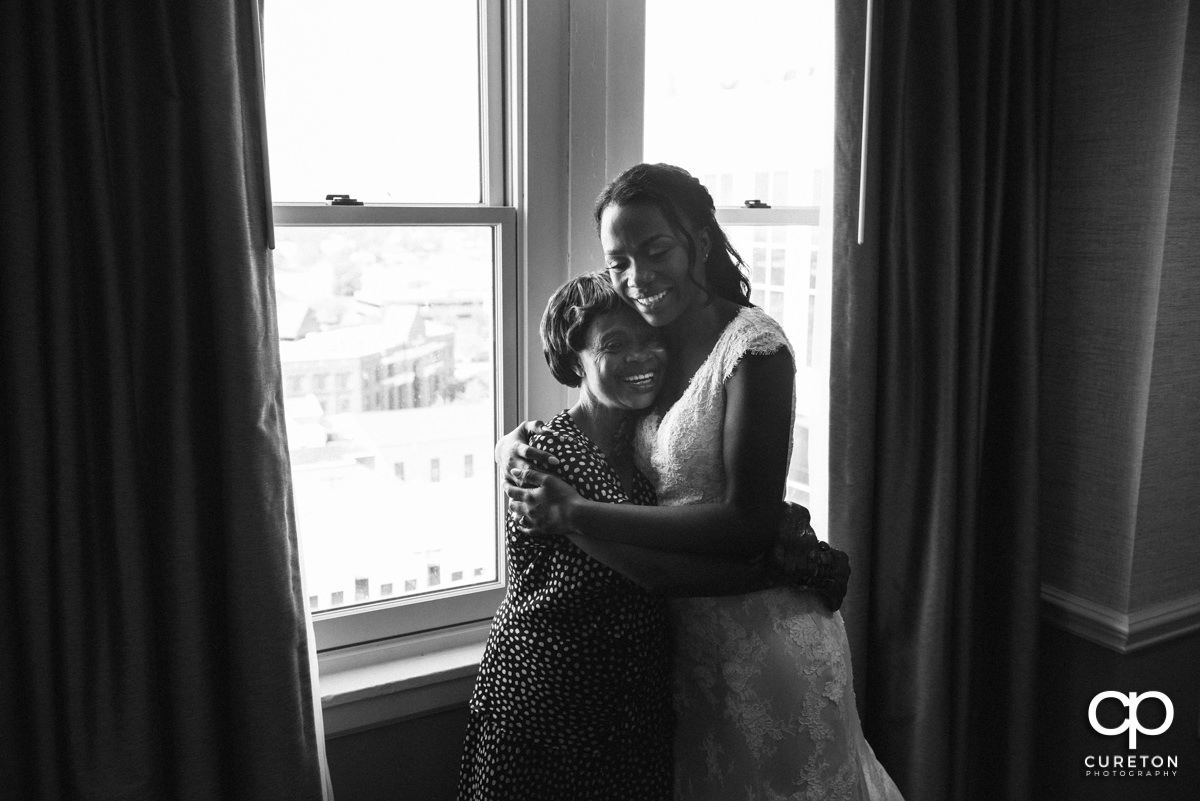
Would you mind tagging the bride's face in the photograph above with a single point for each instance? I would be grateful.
(649, 263)
(623, 361)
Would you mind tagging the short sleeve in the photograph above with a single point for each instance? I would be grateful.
(752, 332)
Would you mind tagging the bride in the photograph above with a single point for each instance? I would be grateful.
(762, 683)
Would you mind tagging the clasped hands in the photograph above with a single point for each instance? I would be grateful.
(542, 503)
(797, 557)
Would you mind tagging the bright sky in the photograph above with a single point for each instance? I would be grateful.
(378, 99)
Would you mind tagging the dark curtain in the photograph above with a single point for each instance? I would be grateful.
(933, 443)
(152, 641)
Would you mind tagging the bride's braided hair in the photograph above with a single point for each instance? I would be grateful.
(682, 200)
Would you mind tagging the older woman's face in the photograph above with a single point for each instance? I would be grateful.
(623, 360)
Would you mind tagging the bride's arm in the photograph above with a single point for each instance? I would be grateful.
(757, 431)
(678, 574)
(797, 559)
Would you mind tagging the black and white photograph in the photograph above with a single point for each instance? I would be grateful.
(600, 400)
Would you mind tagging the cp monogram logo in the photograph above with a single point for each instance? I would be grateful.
(1131, 722)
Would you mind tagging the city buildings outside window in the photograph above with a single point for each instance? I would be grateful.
(388, 301)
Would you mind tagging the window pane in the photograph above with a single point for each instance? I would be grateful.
(752, 118)
(784, 292)
(378, 99)
(385, 487)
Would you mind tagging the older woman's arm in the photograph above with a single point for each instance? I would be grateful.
(678, 574)
(757, 431)
(797, 559)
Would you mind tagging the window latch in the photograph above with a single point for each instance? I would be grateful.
(755, 204)
(342, 200)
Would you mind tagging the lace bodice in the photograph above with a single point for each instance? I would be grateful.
(681, 451)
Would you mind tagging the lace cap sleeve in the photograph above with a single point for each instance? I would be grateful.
(752, 332)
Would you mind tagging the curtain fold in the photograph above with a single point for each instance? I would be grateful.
(154, 641)
(933, 442)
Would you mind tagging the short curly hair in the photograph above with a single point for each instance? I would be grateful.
(568, 316)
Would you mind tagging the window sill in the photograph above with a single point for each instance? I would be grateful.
(373, 685)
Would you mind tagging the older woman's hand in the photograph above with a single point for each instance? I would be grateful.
(800, 559)
(517, 458)
(544, 505)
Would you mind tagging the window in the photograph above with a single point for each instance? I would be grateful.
(753, 119)
(407, 285)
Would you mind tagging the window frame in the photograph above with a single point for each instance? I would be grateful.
(574, 119)
(622, 94)
(816, 485)
(405, 616)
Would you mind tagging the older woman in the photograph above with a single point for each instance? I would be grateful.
(572, 698)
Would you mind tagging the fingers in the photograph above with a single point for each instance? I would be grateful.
(529, 428)
(523, 462)
(518, 515)
(527, 491)
(529, 508)
(515, 440)
(522, 474)
(537, 457)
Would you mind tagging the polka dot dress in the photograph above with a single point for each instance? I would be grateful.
(573, 696)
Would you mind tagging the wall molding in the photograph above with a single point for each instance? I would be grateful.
(1123, 632)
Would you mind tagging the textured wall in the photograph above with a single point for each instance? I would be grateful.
(409, 760)
(1121, 462)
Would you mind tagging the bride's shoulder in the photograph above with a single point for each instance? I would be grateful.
(752, 332)
(755, 332)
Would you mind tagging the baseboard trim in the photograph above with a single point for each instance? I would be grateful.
(1120, 631)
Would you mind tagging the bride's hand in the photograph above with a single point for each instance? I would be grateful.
(544, 505)
(517, 459)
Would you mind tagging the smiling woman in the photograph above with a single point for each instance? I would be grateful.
(621, 361)
(652, 241)
(650, 263)
(715, 445)
(572, 698)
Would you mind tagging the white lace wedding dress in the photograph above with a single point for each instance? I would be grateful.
(763, 686)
